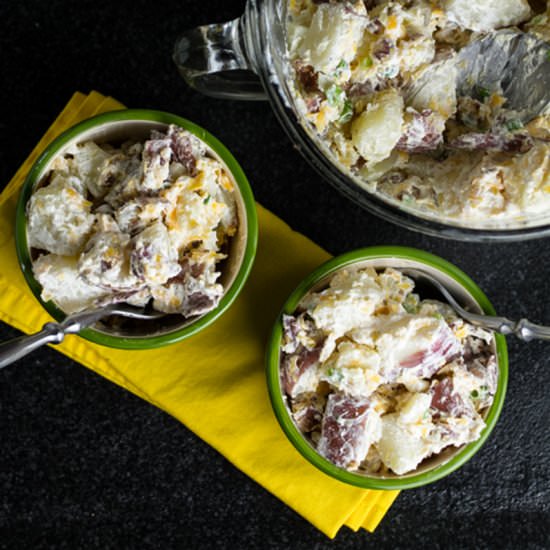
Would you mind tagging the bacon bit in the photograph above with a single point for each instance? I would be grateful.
(105, 265)
(313, 104)
(343, 430)
(359, 164)
(182, 150)
(198, 303)
(493, 142)
(445, 399)
(421, 134)
(382, 48)
(360, 89)
(375, 26)
(307, 76)
(394, 178)
(136, 260)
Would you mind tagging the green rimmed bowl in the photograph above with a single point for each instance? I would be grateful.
(136, 124)
(467, 292)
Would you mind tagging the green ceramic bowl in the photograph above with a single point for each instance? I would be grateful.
(463, 288)
(137, 124)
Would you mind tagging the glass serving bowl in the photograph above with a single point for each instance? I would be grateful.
(466, 292)
(247, 59)
(136, 124)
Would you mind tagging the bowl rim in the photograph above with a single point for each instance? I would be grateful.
(276, 393)
(147, 115)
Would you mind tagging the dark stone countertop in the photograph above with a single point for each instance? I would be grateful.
(85, 464)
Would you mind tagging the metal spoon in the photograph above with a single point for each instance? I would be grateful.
(54, 333)
(514, 62)
(523, 329)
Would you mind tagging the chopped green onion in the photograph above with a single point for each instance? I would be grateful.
(347, 112)
(410, 304)
(483, 93)
(537, 20)
(514, 124)
(207, 199)
(335, 95)
(548, 55)
(366, 62)
(475, 394)
(335, 375)
(426, 415)
(341, 67)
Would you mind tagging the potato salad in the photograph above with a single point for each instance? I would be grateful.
(138, 222)
(377, 379)
(356, 66)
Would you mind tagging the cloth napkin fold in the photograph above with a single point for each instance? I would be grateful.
(214, 382)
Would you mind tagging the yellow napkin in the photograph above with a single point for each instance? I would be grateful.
(214, 382)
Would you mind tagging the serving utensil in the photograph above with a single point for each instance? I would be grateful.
(515, 63)
(523, 329)
(54, 333)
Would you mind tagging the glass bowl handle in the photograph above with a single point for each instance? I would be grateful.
(213, 60)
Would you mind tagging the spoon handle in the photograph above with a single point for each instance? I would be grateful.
(12, 350)
(526, 330)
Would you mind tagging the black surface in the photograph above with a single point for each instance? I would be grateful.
(85, 464)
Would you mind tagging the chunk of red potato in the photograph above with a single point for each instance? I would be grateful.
(291, 329)
(299, 370)
(350, 425)
(154, 260)
(307, 410)
(445, 399)
(192, 291)
(186, 148)
(486, 374)
(105, 262)
(301, 352)
(427, 362)
(157, 154)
